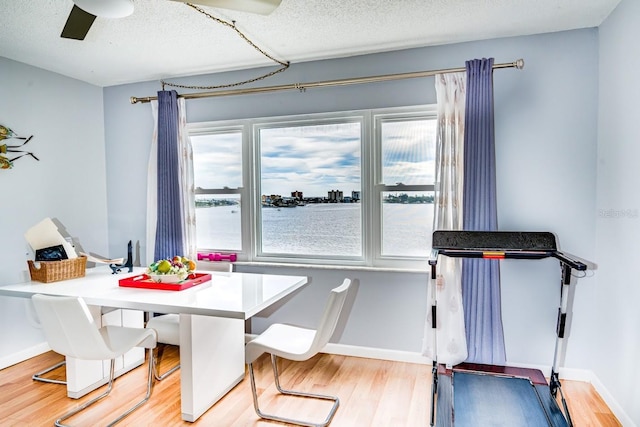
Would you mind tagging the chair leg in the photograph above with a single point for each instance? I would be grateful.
(38, 375)
(85, 405)
(156, 372)
(326, 422)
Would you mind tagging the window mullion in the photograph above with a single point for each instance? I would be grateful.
(370, 216)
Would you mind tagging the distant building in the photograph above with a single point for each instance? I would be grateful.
(355, 196)
(335, 196)
(271, 200)
(297, 195)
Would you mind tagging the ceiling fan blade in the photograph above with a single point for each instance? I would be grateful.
(262, 7)
(78, 24)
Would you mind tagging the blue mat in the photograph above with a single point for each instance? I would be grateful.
(493, 401)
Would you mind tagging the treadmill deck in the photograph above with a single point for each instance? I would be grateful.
(497, 396)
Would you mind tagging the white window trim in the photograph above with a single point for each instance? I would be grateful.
(371, 184)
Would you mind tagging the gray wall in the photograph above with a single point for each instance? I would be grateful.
(546, 144)
(67, 184)
(615, 342)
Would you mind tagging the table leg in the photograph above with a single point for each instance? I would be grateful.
(211, 361)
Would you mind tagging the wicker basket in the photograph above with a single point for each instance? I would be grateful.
(54, 271)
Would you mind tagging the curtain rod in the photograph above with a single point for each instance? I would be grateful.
(519, 64)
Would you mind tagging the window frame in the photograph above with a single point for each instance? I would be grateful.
(289, 121)
(378, 188)
(371, 183)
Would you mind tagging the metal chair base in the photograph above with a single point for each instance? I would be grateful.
(85, 405)
(156, 371)
(38, 375)
(262, 415)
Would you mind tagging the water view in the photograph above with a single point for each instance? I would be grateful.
(323, 229)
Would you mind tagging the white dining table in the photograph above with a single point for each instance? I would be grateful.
(212, 321)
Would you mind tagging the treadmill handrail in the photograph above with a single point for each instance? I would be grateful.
(565, 258)
(570, 261)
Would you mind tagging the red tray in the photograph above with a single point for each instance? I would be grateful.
(144, 281)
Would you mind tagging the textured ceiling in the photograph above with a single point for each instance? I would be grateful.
(164, 39)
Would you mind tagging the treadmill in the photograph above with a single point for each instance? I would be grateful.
(479, 395)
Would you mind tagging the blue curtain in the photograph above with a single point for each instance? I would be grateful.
(169, 226)
(481, 278)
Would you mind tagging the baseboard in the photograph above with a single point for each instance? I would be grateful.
(570, 374)
(376, 353)
(617, 410)
(412, 357)
(23, 355)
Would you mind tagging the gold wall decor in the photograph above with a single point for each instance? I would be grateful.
(5, 161)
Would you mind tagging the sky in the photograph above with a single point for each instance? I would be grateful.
(316, 158)
(311, 159)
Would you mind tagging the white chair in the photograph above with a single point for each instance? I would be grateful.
(39, 376)
(71, 331)
(298, 344)
(167, 326)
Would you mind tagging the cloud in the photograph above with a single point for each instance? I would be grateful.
(313, 159)
(217, 160)
(316, 158)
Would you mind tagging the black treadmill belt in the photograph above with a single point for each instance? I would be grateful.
(485, 400)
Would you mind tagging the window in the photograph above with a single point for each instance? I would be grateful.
(218, 179)
(305, 170)
(352, 188)
(406, 184)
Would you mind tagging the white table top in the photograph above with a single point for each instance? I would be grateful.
(233, 295)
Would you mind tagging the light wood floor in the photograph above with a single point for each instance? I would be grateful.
(372, 393)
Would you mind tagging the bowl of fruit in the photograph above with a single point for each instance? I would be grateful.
(171, 270)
